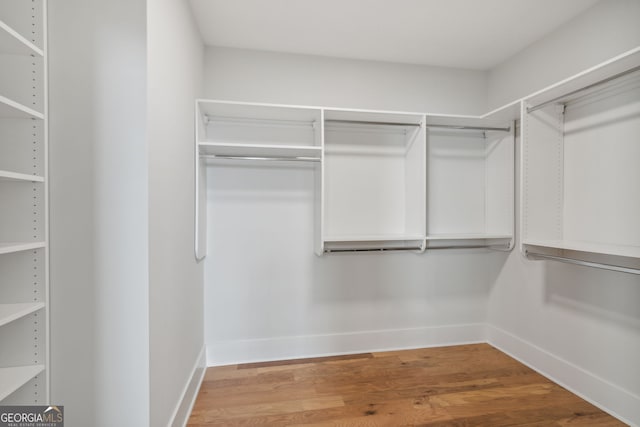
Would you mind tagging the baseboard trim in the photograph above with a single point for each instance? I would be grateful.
(283, 348)
(610, 398)
(181, 413)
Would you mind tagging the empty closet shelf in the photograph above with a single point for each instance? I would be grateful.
(373, 243)
(259, 151)
(11, 312)
(15, 176)
(15, 110)
(471, 240)
(14, 43)
(11, 379)
(610, 257)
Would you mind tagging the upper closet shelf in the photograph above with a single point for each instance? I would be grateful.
(586, 81)
(12, 42)
(12, 109)
(623, 258)
(499, 120)
(15, 176)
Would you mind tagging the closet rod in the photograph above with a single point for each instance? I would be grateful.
(416, 248)
(261, 158)
(366, 122)
(464, 247)
(577, 91)
(470, 127)
(534, 255)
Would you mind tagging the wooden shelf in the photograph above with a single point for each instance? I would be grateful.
(12, 109)
(258, 150)
(11, 312)
(11, 379)
(12, 42)
(15, 176)
(8, 248)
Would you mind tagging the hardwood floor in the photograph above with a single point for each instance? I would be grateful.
(468, 385)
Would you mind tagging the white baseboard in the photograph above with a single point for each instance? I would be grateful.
(181, 413)
(607, 396)
(283, 348)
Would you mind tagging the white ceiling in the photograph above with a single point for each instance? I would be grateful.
(475, 34)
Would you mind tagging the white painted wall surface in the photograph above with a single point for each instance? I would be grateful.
(175, 56)
(99, 221)
(607, 29)
(267, 296)
(580, 325)
(257, 76)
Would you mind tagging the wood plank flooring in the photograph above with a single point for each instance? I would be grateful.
(468, 385)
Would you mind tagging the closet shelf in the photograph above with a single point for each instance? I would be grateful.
(11, 312)
(587, 247)
(620, 258)
(8, 248)
(259, 150)
(12, 42)
(15, 176)
(12, 109)
(11, 379)
(468, 240)
(612, 69)
(373, 243)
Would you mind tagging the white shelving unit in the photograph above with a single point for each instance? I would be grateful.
(384, 180)
(373, 192)
(24, 289)
(471, 180)
(581, 179)
(251, 132)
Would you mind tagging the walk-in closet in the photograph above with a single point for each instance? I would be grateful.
(336, 212)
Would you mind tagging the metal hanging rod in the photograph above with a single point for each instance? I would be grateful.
(417, 248)
(466, 247)
(367, 122)
(577, 91)
(583, 263)
(487, 128)
(262, 158)
(259, 121)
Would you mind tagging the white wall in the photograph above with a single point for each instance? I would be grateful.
(607, 29)
(267, 296)
(257, 76)
(98, 212)
(175, 64)
(579, 325)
